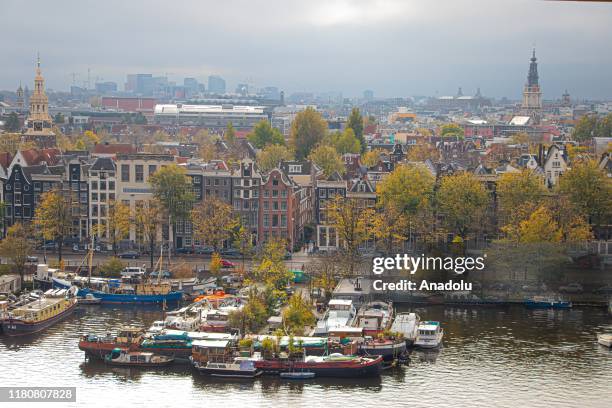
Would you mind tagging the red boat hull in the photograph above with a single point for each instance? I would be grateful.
(343, 369)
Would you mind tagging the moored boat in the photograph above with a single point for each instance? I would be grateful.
(334, 365)
(388, 348)
(374, 317)
(547, 302)
(297, 375)
(37, 315)
(429, 335)
(90, 299)
(407, 324)
(340, 313)
(125, 358)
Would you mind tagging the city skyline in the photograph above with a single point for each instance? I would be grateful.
(393, 48)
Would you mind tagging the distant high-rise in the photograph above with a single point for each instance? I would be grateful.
(191, 86)
(103, 88)
(216, 84)
(368, 94)
(242, 89)
(532, 95)
(139, 84)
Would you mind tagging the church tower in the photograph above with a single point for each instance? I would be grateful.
(532, 95)
(39, 121)
(20, 98)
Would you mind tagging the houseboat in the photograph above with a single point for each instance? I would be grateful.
(429, 335)
(218, 358)
(340, 313)
(605, 339)
(374, 317)
(389, 348)
(407, 324)
(39, 314)
(334, 365)
(124, 358)
(547, 302)
(144, 292)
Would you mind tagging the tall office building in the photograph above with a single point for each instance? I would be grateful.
(216, 84)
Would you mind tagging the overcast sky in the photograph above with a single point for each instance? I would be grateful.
(394, 47)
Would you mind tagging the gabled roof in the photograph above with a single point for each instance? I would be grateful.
(104, 164)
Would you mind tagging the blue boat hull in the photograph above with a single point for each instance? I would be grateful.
(548, 305)
(171, 297)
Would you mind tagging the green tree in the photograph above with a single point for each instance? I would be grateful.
(252, 317)
(230, 134)
(172, 188)
(344, 142)
(589, 189)
(140, 119)
(112, 268)
(452, 130)
(328, 159)
(16, 247)
(408, 188)
(264, 134)
(53, 218)
(307, 130)
(58, 118)
(585, 128)
(462, 201)
(355, 122)
(12, 123)
(271, 156)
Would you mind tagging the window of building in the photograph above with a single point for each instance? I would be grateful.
(246, 193)
(139, 173)
(94, 185)
(266, 220)
(111, 185)
(94, 196)
(283, 193)
(275, 220)
(236, 193)
(283, 220)
(266, 193)
(125, 172)
(266, 205)
(283, 205)
(102, 185)
(275, 205)
(37, 186)
(247, 182)
(152, 169)
(322, 193)
(274, 193)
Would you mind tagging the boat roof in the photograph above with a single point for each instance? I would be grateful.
(429, 325)
(343, 302)
(39, 304)
(346, 329)
(210, 343)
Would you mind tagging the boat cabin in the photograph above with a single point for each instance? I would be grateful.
(346, 332)
(341, 304)
(216, 351)
(129, 334)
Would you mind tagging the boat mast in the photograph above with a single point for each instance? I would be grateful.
(90, 260)
(161, 261)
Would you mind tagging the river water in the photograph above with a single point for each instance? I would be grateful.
(492, 357)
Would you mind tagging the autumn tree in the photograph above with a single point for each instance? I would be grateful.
(244, 242)
(462, 201)
(148, 218)
(590, 126)
(297, 315)
(539, 227)
(264, 134)
(207, 147)
(589, 189)
(371, 158)
(213, 222)
(118, 223)
(328, 159)
(270, 268)
(422, 152)
(451, 130)
(16, 247)
(252, 316)
(172, 188)
(353, 224)
(390, 227)
(518, 195)
(344, 142)
(12, 142)
(520, 138)
(408, 188)
(271, 156)
(324, 272)
(307, 130)
(53, 218)
(355, 122)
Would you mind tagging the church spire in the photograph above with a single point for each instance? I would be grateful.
(532, 77)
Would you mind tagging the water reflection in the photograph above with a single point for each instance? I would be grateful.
(535, 358)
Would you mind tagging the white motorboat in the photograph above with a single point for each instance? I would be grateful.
(429, 335)
(605, 339)
(407, 324)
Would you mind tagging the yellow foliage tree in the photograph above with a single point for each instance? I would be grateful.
(539, 227)
(462, 201)
(213, 222)
(118, 223)
(16, 247)
(422, 152)
(53, 218)
(328, 159)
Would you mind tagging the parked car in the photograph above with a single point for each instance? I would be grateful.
(164, 274)
(204, 250)
(230, 252)
(288, 255)
(33, 259)
(129, 255)
(184, 250)
(227, 264)
(604, 290)
(49, 246)
(571, 288)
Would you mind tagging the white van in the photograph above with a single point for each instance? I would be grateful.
(133, 271)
